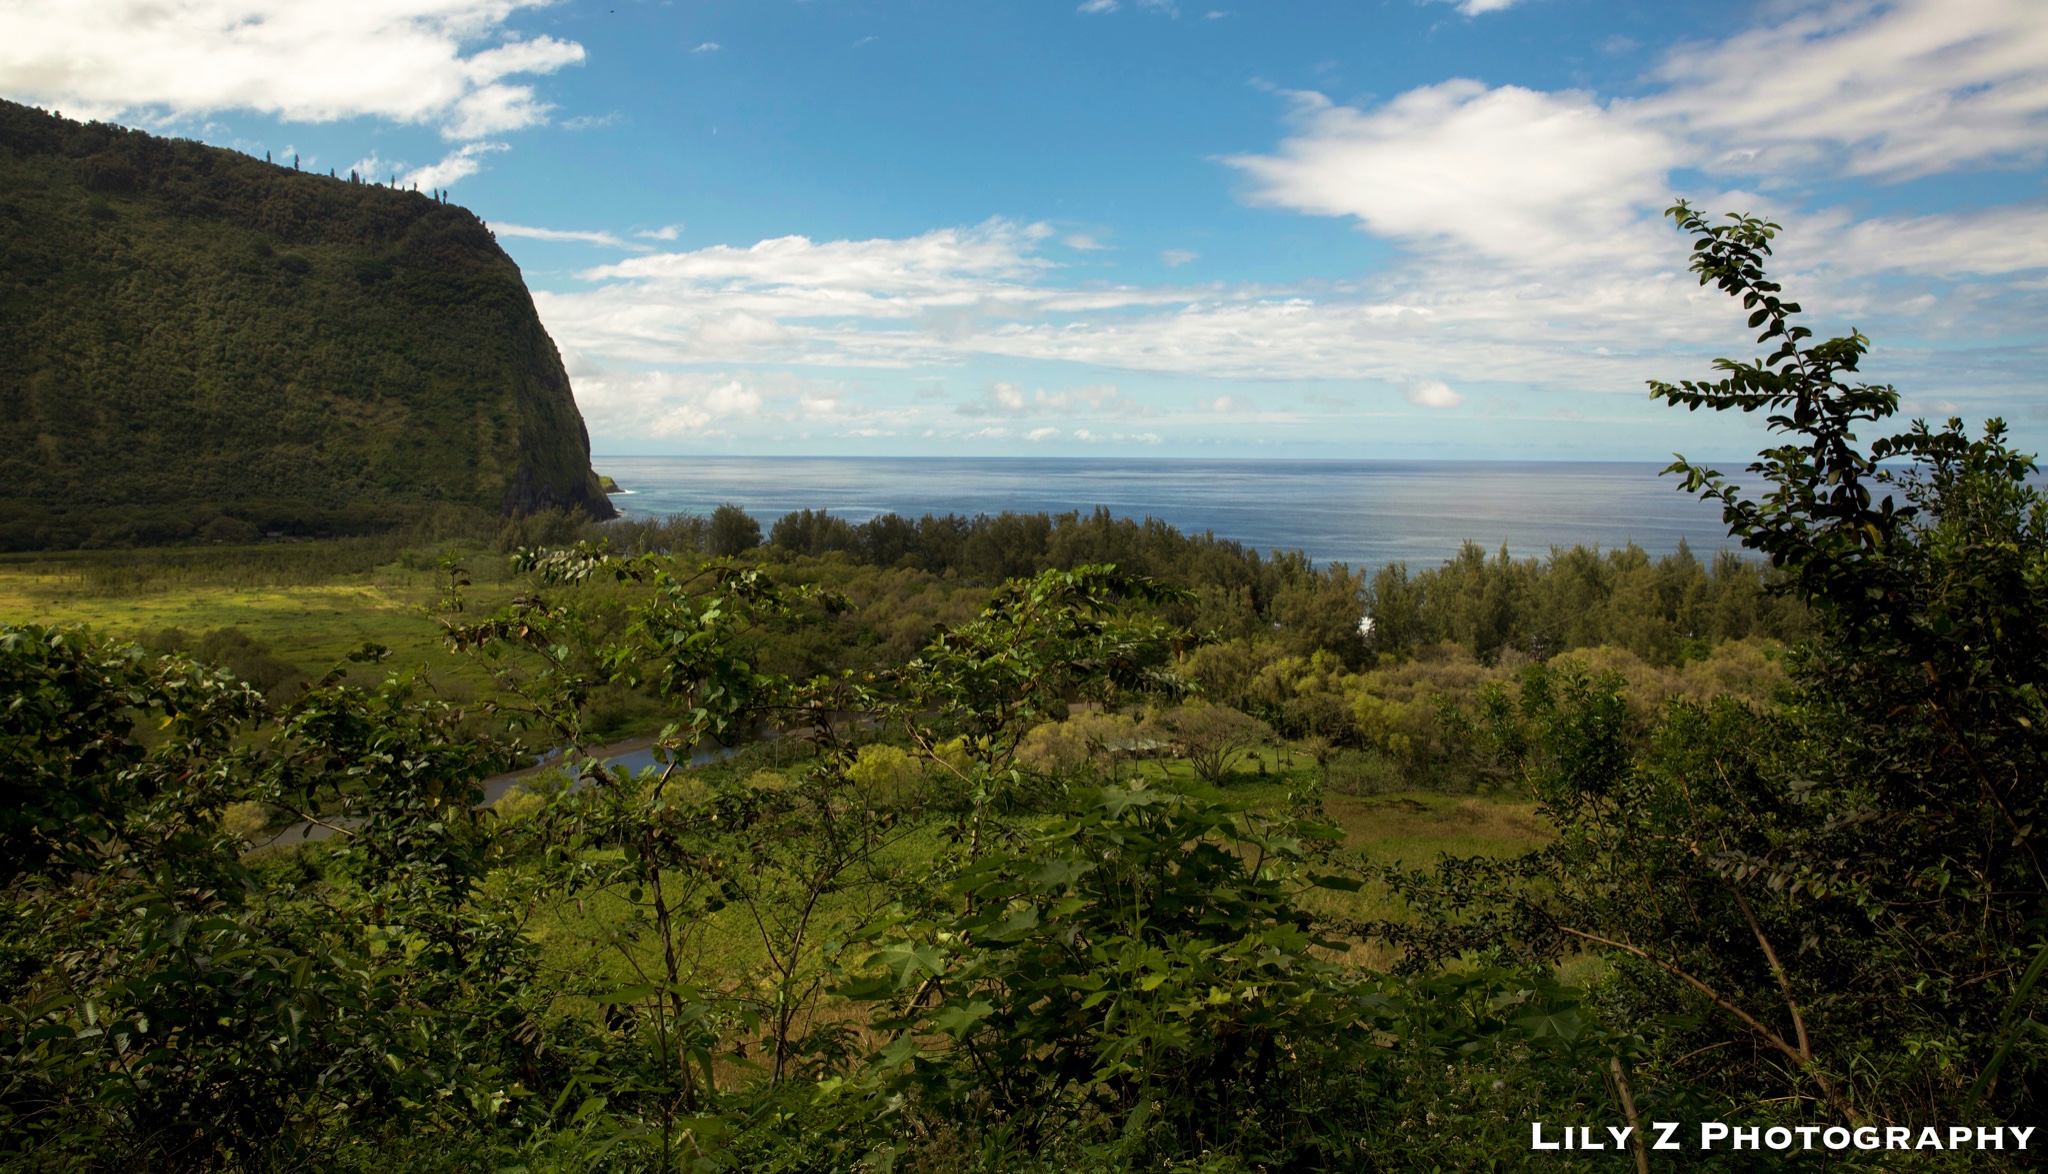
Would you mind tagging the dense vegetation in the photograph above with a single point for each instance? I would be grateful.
(205, 345)
(1061, 881)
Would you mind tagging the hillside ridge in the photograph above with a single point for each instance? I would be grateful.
(202, 344)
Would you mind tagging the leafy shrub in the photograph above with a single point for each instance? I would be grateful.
(1212, 738)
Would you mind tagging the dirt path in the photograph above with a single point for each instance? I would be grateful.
(633, 754)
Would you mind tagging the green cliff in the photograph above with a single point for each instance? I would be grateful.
(197, 343)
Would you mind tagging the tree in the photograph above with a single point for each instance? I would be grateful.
(1838, 898)
(733, 531)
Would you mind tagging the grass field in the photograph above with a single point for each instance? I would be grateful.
(310, 626)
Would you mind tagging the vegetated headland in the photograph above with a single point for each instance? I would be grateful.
(205, 345)
(1089, 844)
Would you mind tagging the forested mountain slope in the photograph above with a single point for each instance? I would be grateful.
(197, 343)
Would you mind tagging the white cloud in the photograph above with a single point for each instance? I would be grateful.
(1992, 241)
(665, 404)
(1432, 393)
(1479, 7)
(666, 232)
(1001, 399)
(796, 300)
(1038, 434)
(704, 405)
(1940, 408)
(1535, 253)
(1082, 241)
(953, 294)
(609, 240)
(942, 263)
(1009, 399)
(976, 295)
(1175, 258)
(1511, 174)
(402, 60)
(375, 169)
(708, 47)
(458, 164)
(592, 121)
(1092, 7)
(1898, 89)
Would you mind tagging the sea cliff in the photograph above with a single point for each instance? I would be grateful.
(201, 343)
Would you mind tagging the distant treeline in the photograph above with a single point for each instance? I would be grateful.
(1664, 610)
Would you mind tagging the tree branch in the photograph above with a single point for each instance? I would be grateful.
(1777, 1041)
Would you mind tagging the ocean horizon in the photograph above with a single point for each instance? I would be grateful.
(1365, 513)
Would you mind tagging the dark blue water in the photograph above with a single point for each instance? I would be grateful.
(1365, 513)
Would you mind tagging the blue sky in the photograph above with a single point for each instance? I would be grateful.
(1411, 228)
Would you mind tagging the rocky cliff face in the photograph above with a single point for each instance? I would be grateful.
(194, 342)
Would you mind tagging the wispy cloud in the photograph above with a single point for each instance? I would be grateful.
(1896, 90)
(608, 240)
(1009, 399)
(708, 47)
(1175, 258)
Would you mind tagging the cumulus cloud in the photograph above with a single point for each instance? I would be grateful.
(1506, 173)
(459, 164)
(704, 404)
(667, 404)
(1543, 180)
(1431, 393)
(376, 168)
(792, 299)
(1001, 399)
(970, 295)
(411, 61)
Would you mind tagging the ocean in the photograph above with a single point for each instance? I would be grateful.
(1364, 513)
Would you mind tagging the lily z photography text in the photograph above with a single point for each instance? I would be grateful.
(1672, 1135)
